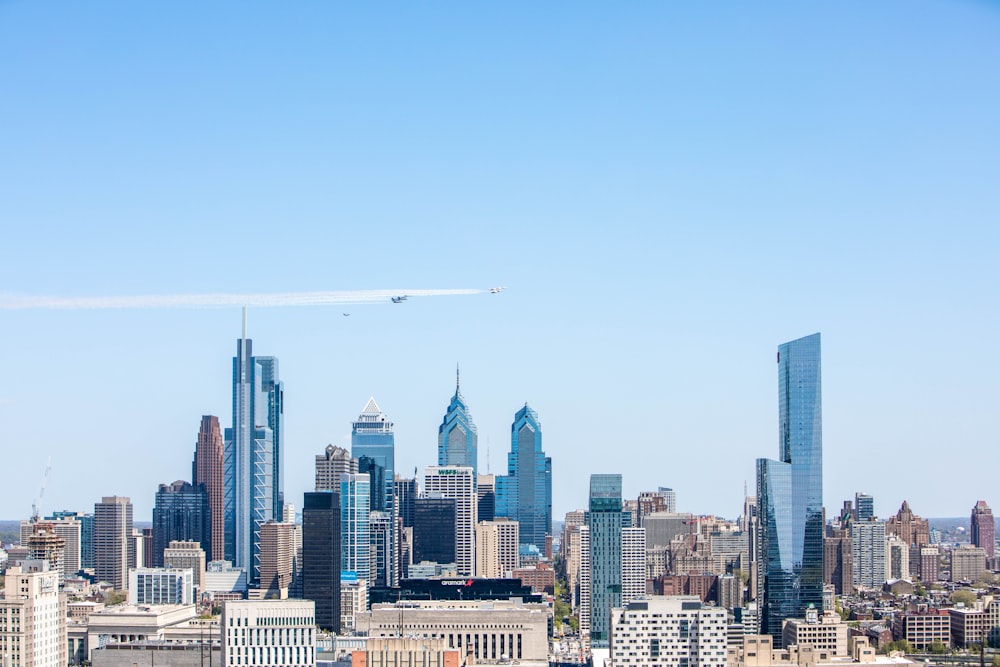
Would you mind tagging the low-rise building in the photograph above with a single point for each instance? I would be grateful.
(923, 628)
(668, 630)
(160, 585)
(269, 633)
(405, 652)
(826, 632)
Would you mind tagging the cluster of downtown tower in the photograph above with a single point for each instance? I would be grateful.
(238, 483)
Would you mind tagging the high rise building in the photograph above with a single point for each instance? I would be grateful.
(321, 556)
(405, 491)
(86, 522)
(790, 492)
(864, 506)
(114, 548)
(277, 559)
(208, 472)
(909, 527)
(982, 528)
(633, 564)
(496, 548)
(525, 493)
(160, 585)
(457, 438)
(603, 572)
(383, 559)
(181, 512)
(458, 483)
(376, 483)
(253, 489)
(838, 565)
(372, 436)
(897, 558)
(330, 465)
(868, 554)
(355, 507)
(44, 544)
(32, 617)
(669, 631)
(434, 530)
(486, 495)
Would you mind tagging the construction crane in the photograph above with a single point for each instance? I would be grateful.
(41, 492)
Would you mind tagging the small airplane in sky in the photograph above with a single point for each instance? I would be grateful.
(399, 299)
(347, 314)
(497, 290)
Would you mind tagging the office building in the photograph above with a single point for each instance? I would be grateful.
(930, 559)
(897, 558)
(208, 473)
(968, 563)
(186, 555)
(868, 554)
(405, 492)
(253, 487)
(601, 570)
(114, 548)
(355, 541)
(525, 493)
(277, 559)
(353, 601)
(160, 585)
(486, 495)
(86, 522)
(982, 528)
(330, 465)
(269, 633)
(669, 499)
(496, 548)
(459, 484)
(864, 507)
(400, 651)
(790, 492)
(457, 438)
(674, 631)
(923, 628)
(434, 530)
(494, 632)
(321, 556)
(824, 632)
(383, 560)
(181, 512)
(224, 581)
(372, 436)
(32, 617)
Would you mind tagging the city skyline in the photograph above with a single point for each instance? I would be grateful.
(666, 192)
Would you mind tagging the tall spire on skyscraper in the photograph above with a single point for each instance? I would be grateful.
(458, 441)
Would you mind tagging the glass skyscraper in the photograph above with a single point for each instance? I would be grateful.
(525, 493)
(371, 436)
(604, 522)
(790, 493)
(457, 437)
(355, 504)
(252, 493)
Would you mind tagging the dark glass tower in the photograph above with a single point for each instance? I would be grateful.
(321, 556)
(182, 513)
(434, 530)
(525, 493)
(457, 438)
(790, 493)
(604, 521)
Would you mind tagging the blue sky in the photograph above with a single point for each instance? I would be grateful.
(667, 192)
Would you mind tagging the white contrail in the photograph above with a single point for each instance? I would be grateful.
(14, 302)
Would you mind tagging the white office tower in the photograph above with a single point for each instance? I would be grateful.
(160, 585)
(633, 564)
(32, 617)
(459, 483)
(269, 633)
(868, 553)
(668, 630)
(496, 548)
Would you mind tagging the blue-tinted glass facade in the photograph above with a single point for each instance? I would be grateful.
(355, 548)
(252, 486)
(790, 492)
(180, 513)
(372, 436)
(86, 534)
(604, 520)
(458, 442)
(525, 493)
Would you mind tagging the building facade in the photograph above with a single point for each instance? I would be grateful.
(602, 568)
(321, 556)
(459, 484)
(790, 492)
(661, 631)
(982, 528)
(496, 548)
(160, 585)
(253, 489)
(181, 512)
(372, 436)
(32, 617)
(458, 442)
(269, 633)
(330, 465)
(525, 493)
(114, 549)
(868, 554)
(434, 532)
(208, 472)
(355, 541)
